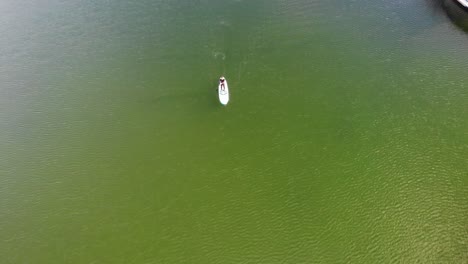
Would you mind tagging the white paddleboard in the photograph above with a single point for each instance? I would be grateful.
(223, 93)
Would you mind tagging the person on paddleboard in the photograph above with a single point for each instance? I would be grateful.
(222, 82)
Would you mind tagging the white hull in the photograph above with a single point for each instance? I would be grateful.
(223, 93)
(463, 3)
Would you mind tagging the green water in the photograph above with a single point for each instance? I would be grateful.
(345, 141)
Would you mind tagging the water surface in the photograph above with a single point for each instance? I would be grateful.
(345, 139)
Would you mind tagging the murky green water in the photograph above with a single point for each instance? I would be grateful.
(345, 141)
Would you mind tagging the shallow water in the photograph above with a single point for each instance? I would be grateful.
(345, 139)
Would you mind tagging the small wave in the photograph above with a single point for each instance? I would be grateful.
(218, 54)
(225, 23)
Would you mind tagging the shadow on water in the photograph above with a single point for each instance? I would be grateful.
(417, 23)
(205, 97)
(435, 5)
(403, 20)
(456, 13)
(439, 10)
